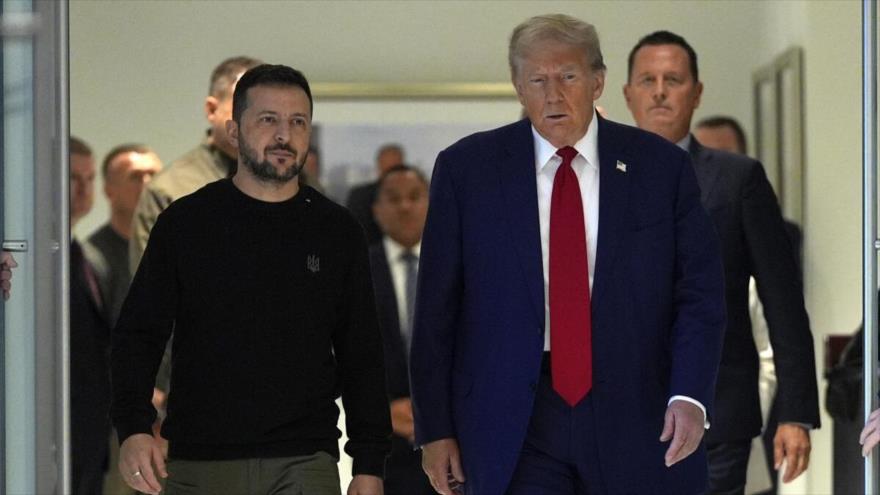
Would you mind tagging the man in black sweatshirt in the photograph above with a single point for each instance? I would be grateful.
(266, 285)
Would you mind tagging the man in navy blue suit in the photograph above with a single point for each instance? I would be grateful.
(570, 310)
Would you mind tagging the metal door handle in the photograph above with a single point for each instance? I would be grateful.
(15, 246)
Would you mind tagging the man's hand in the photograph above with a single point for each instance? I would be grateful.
(7, 263)
(160, 441)
(439, 459)
(365, 484)
(792, 443)
(684, 424)
(140, 460)
(870, 436)
(402, 418)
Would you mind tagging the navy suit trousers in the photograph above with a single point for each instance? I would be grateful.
(560, 454)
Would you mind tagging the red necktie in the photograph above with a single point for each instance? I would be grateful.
(571, 356)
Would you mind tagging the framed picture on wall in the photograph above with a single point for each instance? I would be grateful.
(791, 131)
(779, 114)
(766, 125)
(355, 119)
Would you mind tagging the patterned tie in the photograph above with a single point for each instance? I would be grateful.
(411, 261)
(571, 356)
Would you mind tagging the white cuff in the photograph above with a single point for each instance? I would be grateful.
(694, 402)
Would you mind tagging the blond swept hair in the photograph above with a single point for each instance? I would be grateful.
(554, 27)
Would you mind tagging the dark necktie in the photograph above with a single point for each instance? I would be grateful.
(411, 261)
(88, 275)
(571, 354)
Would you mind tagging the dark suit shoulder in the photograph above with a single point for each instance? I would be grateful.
(651, 160)
(734, 163)
(363, 188)
(497, 137)
(362, 192)
(639, 143)
(624, 133)
(377, 253)
(106, 241)
(728, 176)
(487, 144)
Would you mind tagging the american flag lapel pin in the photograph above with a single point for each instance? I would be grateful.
(621, 166)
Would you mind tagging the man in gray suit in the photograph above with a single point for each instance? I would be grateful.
(662, 91)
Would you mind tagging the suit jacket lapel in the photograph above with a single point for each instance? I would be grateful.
(85, 271)
(519, 187)
(390, 305)
(383, 279)
(706, 173)
(613, 205)
(390, 317)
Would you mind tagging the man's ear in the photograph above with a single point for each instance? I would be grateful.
(211, 104)
(598, 84)
(626, 95)
(698, 91)
(232, 133)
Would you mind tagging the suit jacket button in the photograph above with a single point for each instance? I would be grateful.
(533, 386)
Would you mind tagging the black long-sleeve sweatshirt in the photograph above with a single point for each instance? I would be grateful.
(273, 315)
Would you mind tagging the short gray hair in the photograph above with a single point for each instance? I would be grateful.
(555, 27)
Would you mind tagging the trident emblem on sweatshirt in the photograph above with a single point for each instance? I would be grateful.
(313, 263)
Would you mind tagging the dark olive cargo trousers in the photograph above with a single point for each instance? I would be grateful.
(315, 474)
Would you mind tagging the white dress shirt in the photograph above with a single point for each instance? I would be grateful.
(397, 266)
(685, 143)
(586, 168)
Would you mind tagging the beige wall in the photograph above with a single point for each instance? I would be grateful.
(139, 72)
(830, 33)
(139, 69)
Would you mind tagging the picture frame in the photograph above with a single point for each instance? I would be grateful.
(779, 117)
(353, 120)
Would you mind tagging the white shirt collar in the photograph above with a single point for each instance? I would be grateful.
(587, 146)
(394, 250)
(685, 143)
